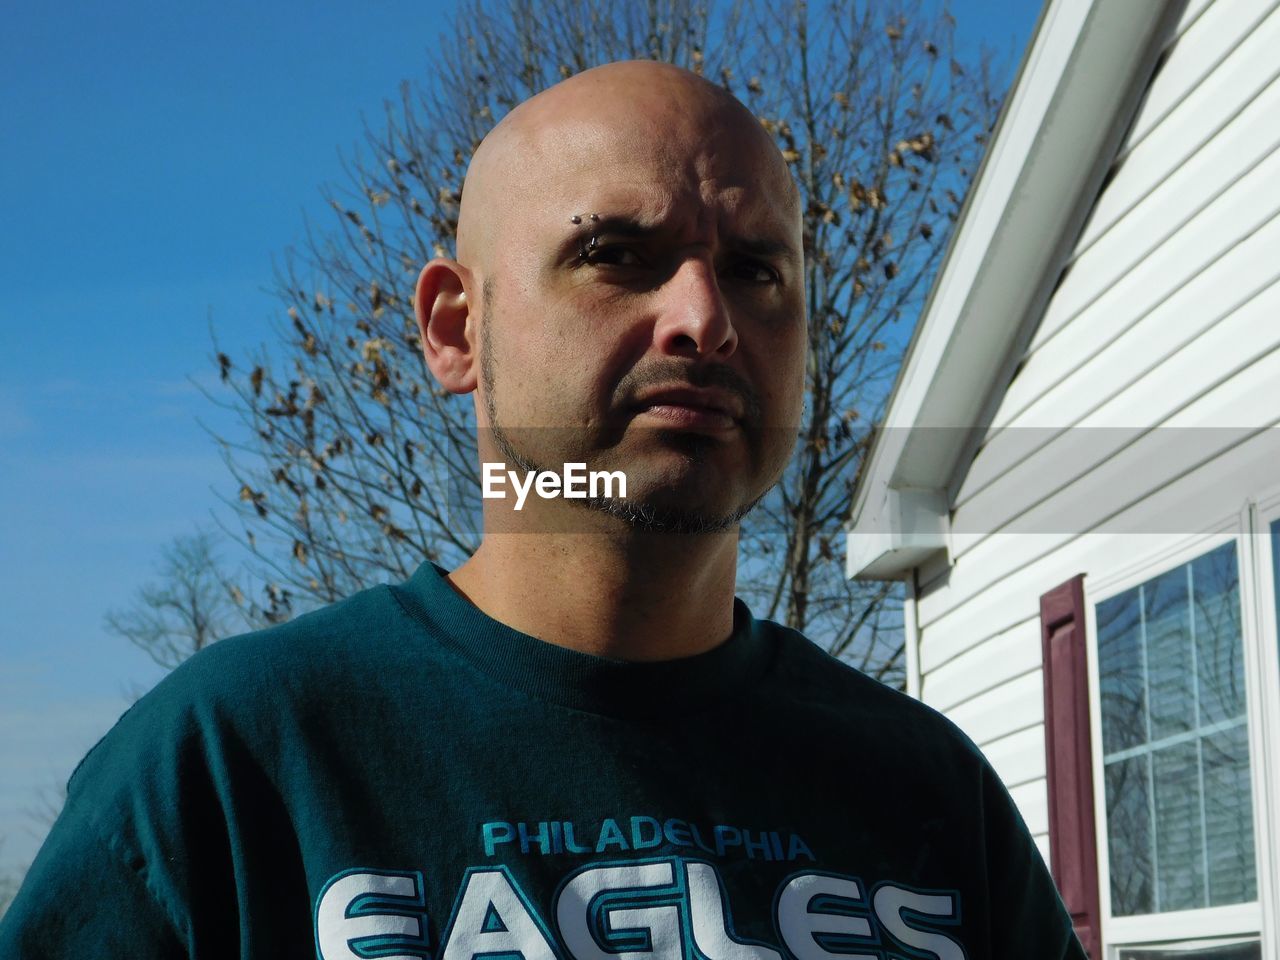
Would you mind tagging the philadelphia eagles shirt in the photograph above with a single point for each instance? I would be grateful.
(401, 776)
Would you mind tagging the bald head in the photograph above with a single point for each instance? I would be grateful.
(596, 123)
(631, 229)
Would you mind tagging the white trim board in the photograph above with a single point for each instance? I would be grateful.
(1026, 206)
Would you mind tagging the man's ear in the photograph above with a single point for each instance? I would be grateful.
(445, 324)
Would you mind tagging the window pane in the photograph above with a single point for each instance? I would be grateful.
(1275, 564)
(1129, 836)
(1179, 839)
(1170, 677)
(1175, 741)
(1231, 951)
(1228, 814)
(1219, 654)
(1123, 680)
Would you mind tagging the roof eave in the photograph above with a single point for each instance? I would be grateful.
(1060, 127)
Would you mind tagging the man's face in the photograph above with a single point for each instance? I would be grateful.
(644, 311)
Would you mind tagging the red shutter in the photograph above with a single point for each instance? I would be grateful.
(1068, 758)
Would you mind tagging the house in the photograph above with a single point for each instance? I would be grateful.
(1078, 475)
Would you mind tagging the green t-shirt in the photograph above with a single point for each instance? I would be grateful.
(399, 775)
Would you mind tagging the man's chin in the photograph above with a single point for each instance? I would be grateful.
(692, 504)
(660, 516)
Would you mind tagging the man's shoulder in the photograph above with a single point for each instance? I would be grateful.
(325, 639)
(250, 682)
(810, 673)
(837, 698)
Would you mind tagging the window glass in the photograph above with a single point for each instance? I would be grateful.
(1175, 744)
(1124, 689)
(1275, 566)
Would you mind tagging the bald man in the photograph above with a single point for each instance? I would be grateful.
(578, 745)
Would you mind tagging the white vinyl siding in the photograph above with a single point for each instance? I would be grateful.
(1139, 410)
(1165, 316)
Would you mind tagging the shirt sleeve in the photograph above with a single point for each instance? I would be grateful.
(82, 898)
(1027, 914)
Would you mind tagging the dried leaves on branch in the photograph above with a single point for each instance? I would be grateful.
(350, 462)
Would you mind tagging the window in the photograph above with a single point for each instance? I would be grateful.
(1176, 769)
(1240, 950)
(1275, 565)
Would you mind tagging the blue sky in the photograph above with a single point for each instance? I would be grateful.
(157, 157)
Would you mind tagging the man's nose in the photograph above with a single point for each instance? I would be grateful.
(695, 320)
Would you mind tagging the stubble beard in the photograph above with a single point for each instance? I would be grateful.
(642, 515)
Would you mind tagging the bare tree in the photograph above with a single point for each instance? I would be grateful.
(9, 883)
(48, 806)
(353, 467)
(192, 605)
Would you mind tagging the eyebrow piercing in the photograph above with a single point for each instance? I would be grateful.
(577, 218)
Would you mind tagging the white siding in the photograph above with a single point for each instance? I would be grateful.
(1003, 657)
(1167, 316)
(1019, 760)
(1194, 122)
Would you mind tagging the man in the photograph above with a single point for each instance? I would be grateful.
(578, 745)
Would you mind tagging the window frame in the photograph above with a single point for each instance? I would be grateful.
(1260, 603)
(1187, 945)
(1261, 653)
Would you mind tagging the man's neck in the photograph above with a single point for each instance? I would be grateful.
(636, 596)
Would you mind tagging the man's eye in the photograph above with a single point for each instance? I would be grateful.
(753, 271)
(610, 255)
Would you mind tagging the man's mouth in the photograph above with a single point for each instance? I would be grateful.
(691, 408)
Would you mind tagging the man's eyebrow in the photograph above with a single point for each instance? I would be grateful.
(762, 247)
(632, 228)
(586, 224)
